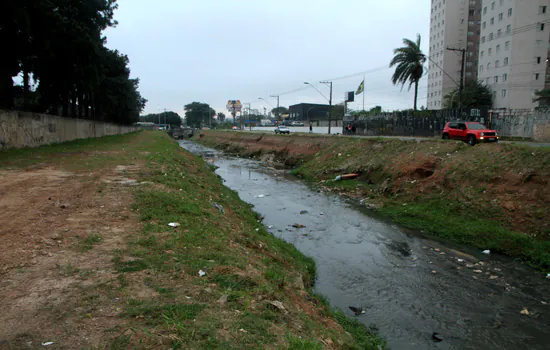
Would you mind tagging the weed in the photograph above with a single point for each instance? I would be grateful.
(89, 242)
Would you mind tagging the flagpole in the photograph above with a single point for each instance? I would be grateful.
(363, 92)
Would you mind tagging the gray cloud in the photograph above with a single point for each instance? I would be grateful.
(216, 50)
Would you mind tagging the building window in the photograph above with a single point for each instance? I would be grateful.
(499, 33)
(489, 66)
(498, 49)
(480, 69)
(494, 94)
(482, 53)
(489, 52)
(493, 6)
(504, 77)
(492, 20)
(500, 16)
(542, 9)
(482, 39)
(470, 33)
(507, 46)
(505, 61)
(539, 60)
(470, 53)
(470, 43)
(485, 10)
(503, 92)
(496, 79)
(471, 23)
(508, 28)
(490, 36)
(468, 74)
(484, 25)
(542, 27)
(537, 76)
(468, 64)
(509, 12)
(497, 63)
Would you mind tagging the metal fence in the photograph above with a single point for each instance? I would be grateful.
(421, 123)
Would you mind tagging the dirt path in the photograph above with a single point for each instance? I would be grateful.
(59, 232)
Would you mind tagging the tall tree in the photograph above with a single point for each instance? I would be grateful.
(221, 117)
(409, 61)
(171, 118)
(542, 97)
(474, 95)
(279, 111)
(198, 114)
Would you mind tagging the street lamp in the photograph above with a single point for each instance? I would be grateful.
(329, 84)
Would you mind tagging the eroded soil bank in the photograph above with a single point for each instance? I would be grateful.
(491, 196)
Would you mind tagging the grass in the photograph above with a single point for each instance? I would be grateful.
(157, 274)
(489, 196)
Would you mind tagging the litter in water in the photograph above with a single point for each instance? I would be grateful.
(298, 226)
(486, 252)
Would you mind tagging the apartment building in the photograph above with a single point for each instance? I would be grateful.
(513, 54)
(453, 24)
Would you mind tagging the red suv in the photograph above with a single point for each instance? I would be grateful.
(471, 132)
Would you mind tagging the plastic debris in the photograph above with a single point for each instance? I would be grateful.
(219, 207)
(338, 178)
(277, 304)
(257, 229)
(460, 260)
(260, 196)
(174, 224)
(525, 312)
(202, 273)
(548, 276)
(270, 226)
(478, 271)
(48, 343)
(321, 213)
(437, 337)
(486, 252)
(357, 310)
(298, 226)
(493, 277)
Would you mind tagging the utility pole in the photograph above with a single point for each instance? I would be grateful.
(276, 114)
(461, 87)
(329, 104)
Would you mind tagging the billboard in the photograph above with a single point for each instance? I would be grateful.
(234, 105)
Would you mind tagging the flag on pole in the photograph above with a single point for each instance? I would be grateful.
(361, 88)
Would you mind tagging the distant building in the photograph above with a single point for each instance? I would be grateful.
(308, 112)
(453, 24)
(514, 51)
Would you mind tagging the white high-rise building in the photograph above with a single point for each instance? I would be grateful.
(514, 50)
(453, 24)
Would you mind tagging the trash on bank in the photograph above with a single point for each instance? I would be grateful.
(174, 224)
(346, 177)
(525, 312)
(486, 252)
(270, 226)
(202, 273)
(48, 343)
(357, 310)
(548, 276)
(219, 207)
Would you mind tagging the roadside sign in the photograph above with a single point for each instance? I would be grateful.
(234, 105)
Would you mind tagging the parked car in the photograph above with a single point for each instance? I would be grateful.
(471, 132)
(281, 129)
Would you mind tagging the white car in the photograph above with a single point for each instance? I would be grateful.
(281, 129)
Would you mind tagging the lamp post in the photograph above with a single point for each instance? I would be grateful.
(329, 84)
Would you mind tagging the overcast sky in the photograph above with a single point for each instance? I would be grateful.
(216, 50)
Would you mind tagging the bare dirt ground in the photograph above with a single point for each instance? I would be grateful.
(59, 231)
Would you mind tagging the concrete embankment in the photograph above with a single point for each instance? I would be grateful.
(26, 129)
(491, 196)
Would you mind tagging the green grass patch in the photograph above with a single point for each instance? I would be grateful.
(89, 242)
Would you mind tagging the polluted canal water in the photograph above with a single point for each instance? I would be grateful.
(409, 287)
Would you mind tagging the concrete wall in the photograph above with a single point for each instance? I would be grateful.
(25, 129)
(524, 123)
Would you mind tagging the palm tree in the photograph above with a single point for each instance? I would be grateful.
(410, 65)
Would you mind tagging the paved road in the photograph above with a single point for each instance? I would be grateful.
(324, 130)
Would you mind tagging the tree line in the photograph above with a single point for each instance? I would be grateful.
(58, 49)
